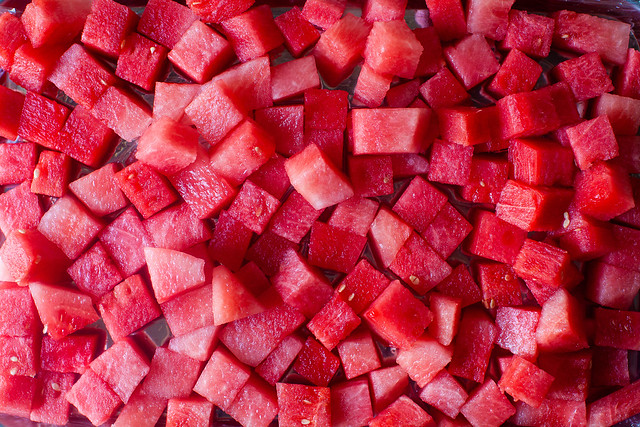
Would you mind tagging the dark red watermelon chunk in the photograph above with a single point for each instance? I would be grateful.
(107, 26)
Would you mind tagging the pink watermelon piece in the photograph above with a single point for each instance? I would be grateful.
(383, 10)
(371, 87)
(141, 61)
(19, 355)
(107, 26)
(293, 406)
(291, 79)
(231, 299)
(448, 19)
(219, 10)
(446, 317)
(255, 404)
(93, 398)
(334, 249)
(419, 204)
(517, 330)
(487, 405)
(354, 215)
(387, 384)
(126, 114)
(170, 375)
(316, 363)
(173, 272)
(168, 146)
(424, 359)
(111, 198)
(472, 59)
(615, 407)
(189, 311)
(572, 373)
(51, 22)
(49, 404)
(165, 21)
(252, 33)
(561, 325)
(585, 75)
(323, 13)
(473, 345)
(393, 36)
(197, 344)
(524, 381)
(275, 365)
(19, 209)
(445, 393)
(530, 33)
(403, 411)
(171, 99)
(13, 36)
(489, 18)
(400, 130)
(358, 353)
(189, 411)
(94, 271)
(222, 378)
(298, 33)
(334, 322)
(350, 403)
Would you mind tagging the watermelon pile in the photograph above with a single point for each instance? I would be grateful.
(328, 214)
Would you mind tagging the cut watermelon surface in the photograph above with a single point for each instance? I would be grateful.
(319, 213)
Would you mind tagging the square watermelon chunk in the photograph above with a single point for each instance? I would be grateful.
(16, 395)
(334, 322)
(561, 326)
(13, 36)
(51, 22)
(51, 175)
(93, 398)
(448, 19)
(173, 272)
(141, 61)
(298, 33)
(168, 146)
(107, 26)
(99, 192)
(399, 130)
(333, 248)
(358, 353)
(365, 283)
(403, 411)
(71, 354)
(517, 73)
(189, 411)
(275, 365)
(49, 404)
(294, 218)
(165, 21)
(393, 49)
(32, 66)
(222, 378)
(526, 382)
(489, 17)
(530, 33)
(10, 112)
(474, 343)
(147, 189)
(299, 404)
(189, 311)
(19, 209)
(17, 162)
(19, 355)
(170, 375)
(41, 119)
(487, 406)
(424, 359)
(230, 241)
(351, 403)
(445, 393)
(95, 272)
(472, 59)
(252, 33)
(125, 113)
(585, 75)
(354, 215)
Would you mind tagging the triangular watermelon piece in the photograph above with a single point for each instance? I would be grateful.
(62, 310)
(231, 299)
(173, 272)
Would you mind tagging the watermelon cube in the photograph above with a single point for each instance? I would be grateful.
(126, 114)
(544, 264)
(269, 251)
(443, 90)
(387, 384)
(610, 367)
(165, 21)
(41, 119)
(231, 299)
(371, 87)
(586, 238)
(10, 111)
(197, 344)
(466, 125)
(323, 13)
(403, 411)
(261, 333)
(248, 83)
(517, 330)
(388, 232)
(612, 286)
(272, 177)
(365, 283)
(168, 146)
(617, 329)
(141, 60)
(294, 218)
(200, 52)
(49, 404)
(530, 33)
(171, 99)
(445, 393)
(626, 254)
(124, 239)
(393, 49)
(538, 161)
(230, 241)
(333, 248)
(280, 359)
(518, 73)
(419, 204)
(489, 17)
(325, 109)
(16, 395)
(398, 328)
(533, 208)
(456, 226)
(334, 322)
(93, 398)
(85, 139)
(487, 406)
(401, 95)
(487, 177)
(400, 130)
(551, 412)
(18, 162)
(500, 286)
(170, 375)
(18, 316)
(122, 367)
(358, 353)
(291, 79)
(371, 176)
(32, 66)
(219, 10)
(350, 403)
(572, 373)
(141, 410)
(626, 82)
(524, 381)
(252, 33)
(615, 407)
(583, 33)
(222, 378)
(147, 189)
(561, 327)
(448, 19)
(299, 404)
(190, 311)
(193, 411)
(173, 272)
(383, 10)
(315, 363)
(82, 77)
(424, 359)
(255, 404)
(354, 215)
(340, 48)
(603, 191)
(111, 198)
(446, 317)
(94, 272)
(107, 26)
(472, 59)
(494, 238)
(19, 209)
(71, 354)
(51, 22)
(444, 156)
(13, 36)
(585, 75)
(474, 343)
(253, 207)
(621, 111)
(51, 175)
(285, 124)
(19, 355)
(298, 33)
(127, 307)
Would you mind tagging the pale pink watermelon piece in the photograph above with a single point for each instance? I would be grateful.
(173, 272)
(231, 299)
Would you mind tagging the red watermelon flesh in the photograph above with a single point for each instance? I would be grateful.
(189, 311)
(94, 272)
(13, 36)
(171, 99)
(614, 407)
(301, 403)
(93, 398)
(255, 404)
(334, 322)
(19, 209)
(473, 345)
(18, 315)
(10, 112)
(173, 272)
(107, 26)
(197, 344)
(487, 406)
(280, 359)
(358, 353)
(561, 326)
(387, 384)
(524, 381)
(222, 378)
(127, 115)
(49, 404)
(517, 330)
(299, 34)
(424, 359)
(141, 410)
(231, 299)
(572, 373)
(170, 375)
(316, 363)
(355, 215)
(445, 393)
(71, 354)
(19, 355)
(16, 395)
(403, 411)
(551, 412)
(189, 411)
(446, 317)
(100, 181)
(350, 403)
(168, 146)
(365, 283)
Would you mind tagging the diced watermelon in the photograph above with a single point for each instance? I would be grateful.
(193, 411)
(621, 111)
(126, 114)
(446, 317)
(334, 322)
(489, 17)
(424, 359)
(285, 124)
(222, 378)
(582, 33)
(219, 10)
(586, 238)
(561, 326)
(147, 189)
(448, 19)
(610, 367)
(51, 22)
(176, 228)
(518, 73)
(401, 95)
(280, 359)
(494, 238)
(316, 363)
(189, 311)
(354, 215)
(294, 218)
(272, 177)
(383, 10)
(49, 404)
(93, 398)
(107, 26)
(544, 264)
(111, 198)
(487, 406)
(517, 330)
(371, 87)
(626, 81)
(252, 339)
(10, 112)
(13, 36)
(94, 272)
(141, 410)
(403, 411)
(19, 355)
(350, 403)
(171, 99)
(83, 78)
(122, 367)
(41, 119)
(269, 251)
(541, 162)
(444, 393)
(365, 283)
(443, 90)
(170, 375)
(551, 412)
(302, 403)
(19, 209)
(529, 113)
(197, 344)
(252, 33)
(16, 395)
(471, 59)
(473, 345)
(231, 299)
(615, 407)
(444, 156)
(340, 48)
(230, 241)
(32, 66)
(298, 33)
(585, 75)
(291, 79)
(395, 37)
(18, 316)
(400, 130)
(128, 307)
(530, 33)
(124, 239)
(572, 373)
(612, 286)
(141, 60)
(165, 21)
(387, 384)
(255, 404)
(524, 381)
(168, 146)
(617, 329)
(333, 248)
(323, 13)
(173, 272)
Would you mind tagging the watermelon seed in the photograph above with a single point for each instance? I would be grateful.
(342, 287)
(13, 358)
(21, 231)
(567, 221)
(131, 176)
(307, 402)
(38, 259)
(152, 49)
(414, 279)
(55, 386)
(508, 277)
(103, 82)
(196, 3)
(482, 184)
(36, 173)
(351, 297)
(305, 422)
(257, 149)
(564, 36)
(122, 45)
(45, 329)
(491, 303)
(386, 180)
(13, 371)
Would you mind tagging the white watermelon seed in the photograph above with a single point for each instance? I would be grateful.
(414, 279)
(153, 49)
(13, 358)
(351, 297)
(13, 371)
(567, 221)
(36, 173)
(305, 422)
(342, 287)
(55, 386)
